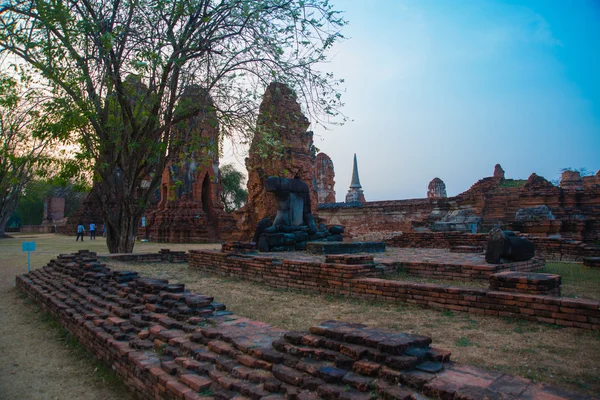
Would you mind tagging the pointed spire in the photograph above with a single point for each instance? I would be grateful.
(355, 193)
(355, 180)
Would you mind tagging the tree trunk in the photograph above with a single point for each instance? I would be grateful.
(3, 228)
(7, 207)
(122, 214)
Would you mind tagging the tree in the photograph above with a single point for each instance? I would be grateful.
(118, 67)
(233, 194)
(30, 210)
(23, 145)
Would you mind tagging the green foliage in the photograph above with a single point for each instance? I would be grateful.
(463, 342)
(23, 144)
(516, 183)
(30, 210)
(233, 194)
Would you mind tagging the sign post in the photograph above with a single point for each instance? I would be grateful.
(28, 247)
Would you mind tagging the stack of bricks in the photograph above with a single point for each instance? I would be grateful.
(349, 259)
(238, 247)
(524, 282)
(169, 343)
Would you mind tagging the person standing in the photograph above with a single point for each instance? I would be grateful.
(92, 231)
(80, 232)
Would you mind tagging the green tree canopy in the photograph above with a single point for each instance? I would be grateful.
(23, 142)
(233, 194)
(116, 70)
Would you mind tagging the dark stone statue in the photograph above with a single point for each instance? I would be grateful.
(293, 203)
(506, 246)
(294, 224)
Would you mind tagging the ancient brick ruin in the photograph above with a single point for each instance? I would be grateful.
(281, 147)
(573, 209)
(325, 176)
(165, 342)
(88, 212)
(190, 209)
(436, 189)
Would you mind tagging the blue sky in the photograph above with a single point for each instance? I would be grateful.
(449, 88)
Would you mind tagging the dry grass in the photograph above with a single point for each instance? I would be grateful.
(577, 280)
(564, 356)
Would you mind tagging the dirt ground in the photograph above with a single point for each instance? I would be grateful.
(36, 360)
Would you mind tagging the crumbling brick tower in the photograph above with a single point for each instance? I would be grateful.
(190, 209)
(281, 147)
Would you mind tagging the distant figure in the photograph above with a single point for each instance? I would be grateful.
(80, 232)
(103, 230)
(92, 231)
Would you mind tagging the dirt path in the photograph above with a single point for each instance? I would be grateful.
(35, 361)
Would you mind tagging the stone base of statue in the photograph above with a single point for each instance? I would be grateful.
(295, 238)
(506, 246)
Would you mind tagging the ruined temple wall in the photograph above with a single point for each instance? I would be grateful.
(379, 216)
(495, 200)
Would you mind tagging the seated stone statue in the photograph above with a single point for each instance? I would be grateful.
(294, 224)
(506, 246)
(293, 204)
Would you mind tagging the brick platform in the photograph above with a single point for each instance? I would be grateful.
(169, 343)
(593, 262)
(430, 263)
(522, 282)
(312, 274)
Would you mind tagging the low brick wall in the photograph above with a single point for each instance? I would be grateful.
(465, 271)
(361, 281)
(551, 249)
(304, 275)
(37, 229)
(164, 255)
(578, 313)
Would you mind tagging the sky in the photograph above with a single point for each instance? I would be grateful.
(449, 88)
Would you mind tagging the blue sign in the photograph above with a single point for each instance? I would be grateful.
(28, 246)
